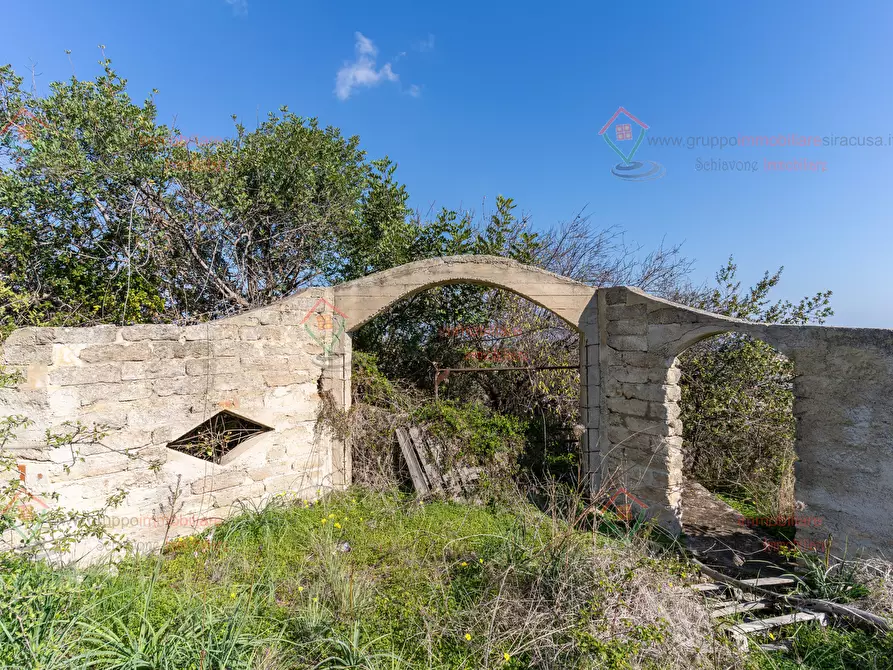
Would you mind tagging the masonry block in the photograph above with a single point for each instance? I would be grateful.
(151, 332)
(627, 327)
(86, 374)
(628, 342)
(211, 331)
(625, 312)
(616, 295)
(217, 482)
(102, 353)
(153, 369)
(215, 366)
(27, 354)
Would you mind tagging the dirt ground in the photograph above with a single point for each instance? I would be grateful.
(713, 531)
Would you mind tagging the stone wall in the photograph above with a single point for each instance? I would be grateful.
(147, 385)
(843, 403)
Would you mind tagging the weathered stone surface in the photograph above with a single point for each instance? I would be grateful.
(87, 374)
(628, 327)
(30, 336)
(151, 332)
(94, 335)
(179, 386)
(217, 482)
(626, 312)
(280, 379)
(265, 363)
(214, 366)
(153, 369)
(106, 393)
(615, 296)
(211, 331)
(628, 342)
(101, 353)
(28, 354)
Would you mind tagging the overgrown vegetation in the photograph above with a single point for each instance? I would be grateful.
(366, 581)
(377, 580)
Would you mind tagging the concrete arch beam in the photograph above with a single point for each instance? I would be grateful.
(363, 299)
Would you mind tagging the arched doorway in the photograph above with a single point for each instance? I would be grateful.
(738, 433)
(575, 304)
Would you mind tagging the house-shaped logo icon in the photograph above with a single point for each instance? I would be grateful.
(22, 121)
(23, 502)
(623, 132)
(626, 127)
(325, 323)
(625, 505)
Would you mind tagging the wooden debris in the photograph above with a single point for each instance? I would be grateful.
(419, 481)
(740, 631)
(430, 473)
(764, 582)
(725, 609)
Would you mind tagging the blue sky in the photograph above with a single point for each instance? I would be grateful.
(477, 99)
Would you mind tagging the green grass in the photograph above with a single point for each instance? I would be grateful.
(365, 580)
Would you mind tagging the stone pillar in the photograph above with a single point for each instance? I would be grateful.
(642, 453)
(590, 398)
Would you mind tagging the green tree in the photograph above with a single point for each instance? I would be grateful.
(106, 215)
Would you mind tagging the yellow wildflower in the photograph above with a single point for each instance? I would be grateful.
(506, 655)
(464, 564)
(232, 595)
(300, 588)
(331, 516)
(337, 525)
(467, 636)
(481, 561)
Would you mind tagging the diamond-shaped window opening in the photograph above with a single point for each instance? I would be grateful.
(216, 439)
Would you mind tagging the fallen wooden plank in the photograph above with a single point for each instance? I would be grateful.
(738, 608)
(776, 622)
(763, 582)
(858, 617)
(412, 462)
(450, 481)
(709, 588)
(418, 441)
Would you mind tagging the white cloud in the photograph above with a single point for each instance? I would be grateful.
(239, 6)
(362, 72)
(365, 46)
(415, 91)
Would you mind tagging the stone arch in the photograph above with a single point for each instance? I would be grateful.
(362, 299)
(359, 301)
